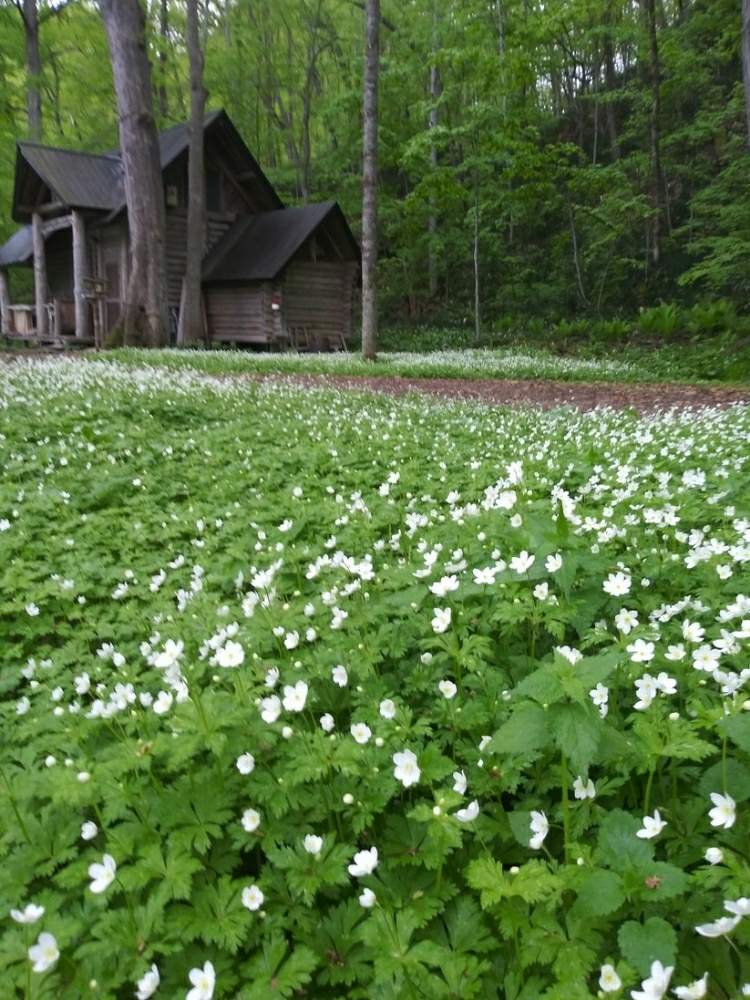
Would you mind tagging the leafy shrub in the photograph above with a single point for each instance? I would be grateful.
(712, 317)
(661, 321)
(329, 696)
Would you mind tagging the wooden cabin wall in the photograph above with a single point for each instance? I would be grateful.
(239, 313)
(216, 226)
(318, 295)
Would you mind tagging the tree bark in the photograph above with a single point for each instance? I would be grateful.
(610, 82)
(79, 273)
(370, 182)
(163, 42)
(746, 61)
(656, 183)
(4, 302)
(191, 312)
(432, 223)
(144, 317)
(477, 303)
(30, 16)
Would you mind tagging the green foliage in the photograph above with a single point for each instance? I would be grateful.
(177, 550)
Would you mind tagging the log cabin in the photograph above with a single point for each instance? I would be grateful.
(273, 276)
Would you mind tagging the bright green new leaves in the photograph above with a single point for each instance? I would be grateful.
(644, 943)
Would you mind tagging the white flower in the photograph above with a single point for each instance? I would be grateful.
(484, 577)
(539, 826)
(739, 907)
(102, 875)
(365, 863)
(695, 991)
(724, 925)
(272, 677)
(313, 844)
(82, 683)
(270, 708)
(652, 826)
(44, 953)
(647, 689)
(32, 611)
(387, 708)
(641, 651)
(459, 782)
(714, 855)
(291, 640)
(327, 722)
(570, 654)
(553, 563)
(28, 915)
(724, 812)
(442, 619)
(626, 620)
(447, 689)
(295, 696)
(168, 656)
(609, 981)
(230, 655)
(361, 732)
(250, 820)
(522, 562)
(89, 830)
(656, 985)
(245, 763)
(22, 706)
(617, 584)
(665, 683)
(367, 899)
(407, 769)
(163, 702)
(676, 652)
(445, 585)
(340, 676)
(584, 789)
(692, 631)
(252, 897)
(203, 981)
(148, 984)
(469, 813)
(600, 696)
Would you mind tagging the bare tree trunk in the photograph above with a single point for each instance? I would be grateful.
(163, 42)
(144, 317)
(477, 310)
(191, 312)
(370, 182)
(432, 224)
(30, 16)
(610, 82)
(746, 60)
(657, 184)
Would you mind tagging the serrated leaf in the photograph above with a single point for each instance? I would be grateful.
(619, 848)
(737, 729)
(642, 944)
(576, 730)
(600, 894)
(527, 729)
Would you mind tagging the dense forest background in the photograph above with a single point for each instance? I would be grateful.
(580, 157)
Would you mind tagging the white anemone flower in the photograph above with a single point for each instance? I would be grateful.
(270, 708)
(724, 812)
(148, 984)
(718, 928)
(609, 981)
(340, 676)
(468, 814)
(246, 763)
(295, 696)
(448, 689)
(693, 991)
(313, 844)
(364, 863)
(407, 769)
(367, 899)
(250, 820)
(203, 981)
(102, 875)
(441, 620)
(252, 897)
(44, 953)
(656, 984)
(459, 782)
(387, 708)
(539, 826)
(652, 826)
(361, 732)
(230, 655)
(28, 915)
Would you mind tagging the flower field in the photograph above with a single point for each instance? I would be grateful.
(307, 694)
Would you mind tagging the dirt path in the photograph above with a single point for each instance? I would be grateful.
(643, 397)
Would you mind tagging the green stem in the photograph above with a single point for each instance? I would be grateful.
(649, 785)
(724, 781)
(14, 807)
(564, 784)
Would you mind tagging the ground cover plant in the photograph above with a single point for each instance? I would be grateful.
(327, 695)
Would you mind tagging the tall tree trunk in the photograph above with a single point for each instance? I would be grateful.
(30, 16)
(610, 82)
(191, 312)
(656, 184)
(163, 42)
(144, 317)
(370, 182)
(432, 224)
(746, 60)
(477, 304)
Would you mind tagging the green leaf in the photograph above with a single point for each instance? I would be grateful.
(619, 847)
(737, 729)
(642, 944)
(576, 730)
(601, 893)
(527, 729)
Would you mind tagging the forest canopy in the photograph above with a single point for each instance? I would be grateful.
(591, 154)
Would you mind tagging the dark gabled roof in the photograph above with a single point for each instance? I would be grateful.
(258, 247)
(18, 249)
(95, 180)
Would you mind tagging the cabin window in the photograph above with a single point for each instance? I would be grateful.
(213, 190)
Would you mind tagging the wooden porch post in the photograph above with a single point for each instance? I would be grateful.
(80, 267)
(4, 302)
(40, 275)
